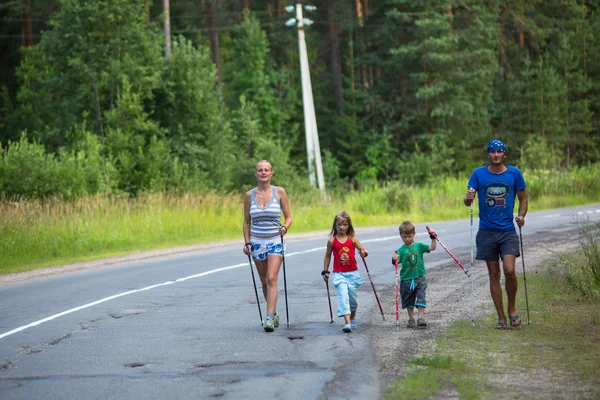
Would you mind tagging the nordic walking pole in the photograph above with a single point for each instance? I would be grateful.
(448, 251)
(524, 278)
(255, 290)
(472, 270)
(397, 290)
(287, 314)
(373, 286)
(329, 299)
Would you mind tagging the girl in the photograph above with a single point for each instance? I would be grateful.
(342, 243)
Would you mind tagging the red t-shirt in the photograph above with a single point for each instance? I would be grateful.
(344, 258)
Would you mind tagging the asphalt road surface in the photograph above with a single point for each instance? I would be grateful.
(187, 326)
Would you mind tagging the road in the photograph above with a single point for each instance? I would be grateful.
(187, 326)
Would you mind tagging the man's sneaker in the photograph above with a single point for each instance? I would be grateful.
(353, 323)
(276, 320)
(269, 324)
(410, 324)
(347, 328)
(421, 322)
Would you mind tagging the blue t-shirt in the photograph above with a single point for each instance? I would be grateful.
(496, 193)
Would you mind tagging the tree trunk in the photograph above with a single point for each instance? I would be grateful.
(359, 13)
(336, 60)
(29, 24)
(542, 105)
(23, 35)
(147, 8)
(167, 27)
(214, 40)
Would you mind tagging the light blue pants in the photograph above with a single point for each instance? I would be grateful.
(347, 284)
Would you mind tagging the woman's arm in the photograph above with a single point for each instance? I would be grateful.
(246, 223)
(285, 208)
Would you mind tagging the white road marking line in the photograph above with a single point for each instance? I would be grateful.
(72, 310)
(88, 305)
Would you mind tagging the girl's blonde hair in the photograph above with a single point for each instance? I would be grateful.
(342, 216)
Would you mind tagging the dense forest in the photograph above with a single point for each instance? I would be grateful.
(94, 99)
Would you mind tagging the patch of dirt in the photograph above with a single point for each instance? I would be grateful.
(448, 300)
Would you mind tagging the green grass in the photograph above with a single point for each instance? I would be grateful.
(36, 234)
(562, 345)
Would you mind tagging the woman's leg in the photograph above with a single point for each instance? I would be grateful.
(273, 264)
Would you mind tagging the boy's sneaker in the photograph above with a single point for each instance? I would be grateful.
(276, 320)
(269, 324)
(411, 323)
(353, 323)
(347, 328)
(421, 322)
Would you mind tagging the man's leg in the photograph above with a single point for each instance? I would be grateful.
(495, 288)
(510, 282)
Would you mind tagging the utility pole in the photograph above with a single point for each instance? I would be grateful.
(313, 150)
(167, 27)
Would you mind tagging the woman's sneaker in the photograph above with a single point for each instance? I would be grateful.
(347, 328)
(421, 322)
(269, 324)
(411, 323)
(276, 320)
(353, 323)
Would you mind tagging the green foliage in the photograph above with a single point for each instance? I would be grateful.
(424, 86)
(536, 153)
(189, 111)
(28, 171)
(421, 167)
(583, 272)
(79, 65)
(248, 72)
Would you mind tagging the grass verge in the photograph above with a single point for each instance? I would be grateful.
(558, 356)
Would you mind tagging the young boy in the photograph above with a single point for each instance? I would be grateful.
(413, 284)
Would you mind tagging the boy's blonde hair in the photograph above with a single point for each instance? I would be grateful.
(407, 228)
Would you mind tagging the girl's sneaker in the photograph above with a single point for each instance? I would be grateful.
(411, 323)
(353, 323)
(347, 328)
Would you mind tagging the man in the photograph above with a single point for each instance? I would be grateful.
(497, 186)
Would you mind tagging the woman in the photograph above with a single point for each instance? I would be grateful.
(263, 234)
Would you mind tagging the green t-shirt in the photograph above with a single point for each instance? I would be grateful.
(411, 258)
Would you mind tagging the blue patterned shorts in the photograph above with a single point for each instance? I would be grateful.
(264, 247)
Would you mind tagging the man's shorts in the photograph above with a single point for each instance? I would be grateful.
(264, 247)
(493, 244)
(413, 292)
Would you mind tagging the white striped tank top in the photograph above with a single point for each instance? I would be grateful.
(266, 221)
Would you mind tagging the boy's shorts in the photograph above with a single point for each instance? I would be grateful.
(491, 244)
(264, 247)
(413, 292)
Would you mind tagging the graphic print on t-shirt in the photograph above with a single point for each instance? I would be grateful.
(410, 260)
(343, 256)
(495, 194)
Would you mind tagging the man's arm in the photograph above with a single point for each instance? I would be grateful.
(520, 218)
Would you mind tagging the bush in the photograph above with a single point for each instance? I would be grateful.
(27, 170)
(585, 276)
